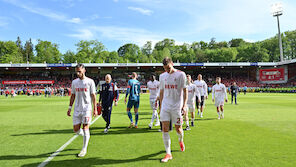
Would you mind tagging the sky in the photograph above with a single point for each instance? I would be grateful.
(117, 22)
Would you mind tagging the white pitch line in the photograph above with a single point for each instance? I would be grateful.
(63, 147)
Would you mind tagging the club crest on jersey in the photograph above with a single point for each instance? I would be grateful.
(171, 86)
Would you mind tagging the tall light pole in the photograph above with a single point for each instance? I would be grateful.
(277, 10)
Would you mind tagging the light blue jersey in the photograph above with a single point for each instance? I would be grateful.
(133, 90)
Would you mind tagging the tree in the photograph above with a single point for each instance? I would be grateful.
(69, 57)
(28, 53)
(9, 52)
(47, 52)
(89, 51)
(290, 42)
(147, 48)
(236, 42)
(252, 53)
(130, 52)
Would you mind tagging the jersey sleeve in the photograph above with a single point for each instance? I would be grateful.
(128, 88)
(183, 81)
(161, 83)
(73, 91)
(213, 92)
(92, 87)
(206, 89)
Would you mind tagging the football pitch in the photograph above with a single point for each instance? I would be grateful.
(260, 131)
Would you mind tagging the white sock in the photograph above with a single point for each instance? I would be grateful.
(153, 117)
(156, 116)
(218, 113)
(180, 136)
(79, 132)
(187, 123)
(201, 113)
(167, 142)
(86, 137)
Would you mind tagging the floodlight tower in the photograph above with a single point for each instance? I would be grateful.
(277, 10)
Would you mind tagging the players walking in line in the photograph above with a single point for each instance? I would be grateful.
(108, 94)
(173, 98)
(233, 90)
(203, 90)
(84, 94)
(218, 95)
(192, 93)
(153, 86)
(133, 91)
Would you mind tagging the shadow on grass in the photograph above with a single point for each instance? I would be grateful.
(94, 131)
(205, 119)
(20, 157)
(81, 162)
(122, 130)
(45, 132)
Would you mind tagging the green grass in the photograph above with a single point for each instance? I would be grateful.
(260, 131)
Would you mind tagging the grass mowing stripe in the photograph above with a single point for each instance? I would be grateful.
(44, 163)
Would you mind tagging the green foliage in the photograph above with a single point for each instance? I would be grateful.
(47, 52)
(92, 51)
(10, 52)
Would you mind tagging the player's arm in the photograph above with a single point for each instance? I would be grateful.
(100, 97)
(213, 93)
(93, 97)
(160, 98)
(127, 91)
(225, 94)
(185, 92)
(197, 93)
(206, 90)
(71, 99)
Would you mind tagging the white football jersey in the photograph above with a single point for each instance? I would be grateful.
(153, 88)
(192, 93)
(202, 87)
(172, 85)
(83, 90)
(219, 92)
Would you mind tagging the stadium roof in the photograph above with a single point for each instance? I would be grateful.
(208, 64)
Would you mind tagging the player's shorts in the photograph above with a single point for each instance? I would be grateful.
(202, 101)
(133, 103)
(81, 117)
(175, 116)
(219, 102)
(153, 104)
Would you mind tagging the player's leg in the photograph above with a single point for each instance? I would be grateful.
(86, 134)
(232, 94)
(136, 109)
(152, 105)
(165, 124)
(201, 106)
(104, 114)
(128, 110)
(197, 105)
(222, 111)
(217, 104)
(192, 111)
(235, 95)
(177, 119)
(187, 119)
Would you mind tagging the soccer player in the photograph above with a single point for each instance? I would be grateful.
(219, 94)
(153, 86)
(192, 93)
(173, 98)
(133, 91)
(234, 91)
(108, 94)
(84, 94)
(245, 89)
(203, 90)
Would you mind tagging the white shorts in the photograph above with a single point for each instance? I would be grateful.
(153, 105)
(175, 116)
(191, 107)
(81, 117)
(219, 102)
